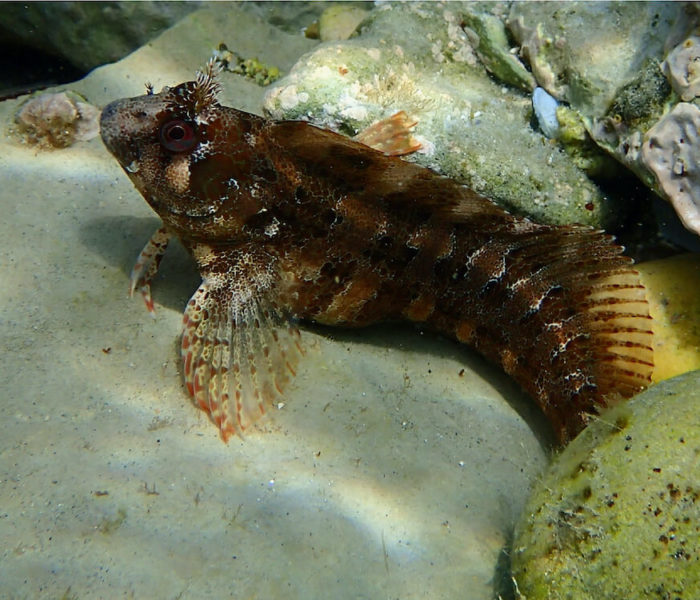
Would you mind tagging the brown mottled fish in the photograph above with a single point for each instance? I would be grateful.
(290, 222)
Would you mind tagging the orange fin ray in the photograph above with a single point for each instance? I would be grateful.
(392, 136)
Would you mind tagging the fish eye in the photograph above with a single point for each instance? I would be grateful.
(178, 136)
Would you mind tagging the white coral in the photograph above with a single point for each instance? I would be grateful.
(671, 150)
(682, 68)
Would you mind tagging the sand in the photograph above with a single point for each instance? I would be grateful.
(395, 469)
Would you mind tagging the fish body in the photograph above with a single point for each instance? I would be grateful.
(290, 222)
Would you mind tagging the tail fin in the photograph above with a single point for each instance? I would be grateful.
(565, 314)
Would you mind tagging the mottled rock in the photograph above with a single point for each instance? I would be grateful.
(583, 52)
(616, 515)
(419, 58)
(618, 65)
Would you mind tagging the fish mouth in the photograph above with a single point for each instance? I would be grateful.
(112, 132)
(127, 122)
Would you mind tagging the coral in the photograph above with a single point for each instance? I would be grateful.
(682, 67)
(671, 150)
(617, 513)
(57, 120)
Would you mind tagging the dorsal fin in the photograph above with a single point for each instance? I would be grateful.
(372, 176)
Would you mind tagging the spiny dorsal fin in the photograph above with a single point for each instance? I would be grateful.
(391, 136)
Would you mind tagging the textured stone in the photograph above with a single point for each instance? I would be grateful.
(671, 151)
(682, 66)
(617, 515)
(583, 52)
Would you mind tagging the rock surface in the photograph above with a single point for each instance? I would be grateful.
(89, 34)
(617, 515)
(583, 52)
(624, 67)
(421, 58)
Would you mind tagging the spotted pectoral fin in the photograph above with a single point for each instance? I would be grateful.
(147, 264)
(238, 354)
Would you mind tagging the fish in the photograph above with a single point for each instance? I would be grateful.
(290, 223)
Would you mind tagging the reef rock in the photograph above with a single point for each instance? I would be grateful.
(583, 52)
(437, 62)
(624, 67)
(616, 515)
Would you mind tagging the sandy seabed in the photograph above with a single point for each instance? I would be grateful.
(396, 468)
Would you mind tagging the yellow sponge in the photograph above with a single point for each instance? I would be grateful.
(673, 291)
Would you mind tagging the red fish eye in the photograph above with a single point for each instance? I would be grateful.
(177, 136)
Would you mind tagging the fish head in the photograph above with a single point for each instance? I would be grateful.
(193, 160)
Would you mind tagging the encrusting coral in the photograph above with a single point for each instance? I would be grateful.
(671, 150)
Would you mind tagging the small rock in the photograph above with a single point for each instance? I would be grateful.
(490, 41)
(340, 22)
(57, 120)
(545, 107)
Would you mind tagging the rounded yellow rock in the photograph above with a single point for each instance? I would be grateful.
(673, 292)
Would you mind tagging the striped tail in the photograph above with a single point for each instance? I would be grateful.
(561, 309)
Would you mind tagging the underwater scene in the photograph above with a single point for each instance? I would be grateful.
(350, 300)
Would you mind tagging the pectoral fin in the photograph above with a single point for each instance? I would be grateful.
(147, 266)
(238, 349)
